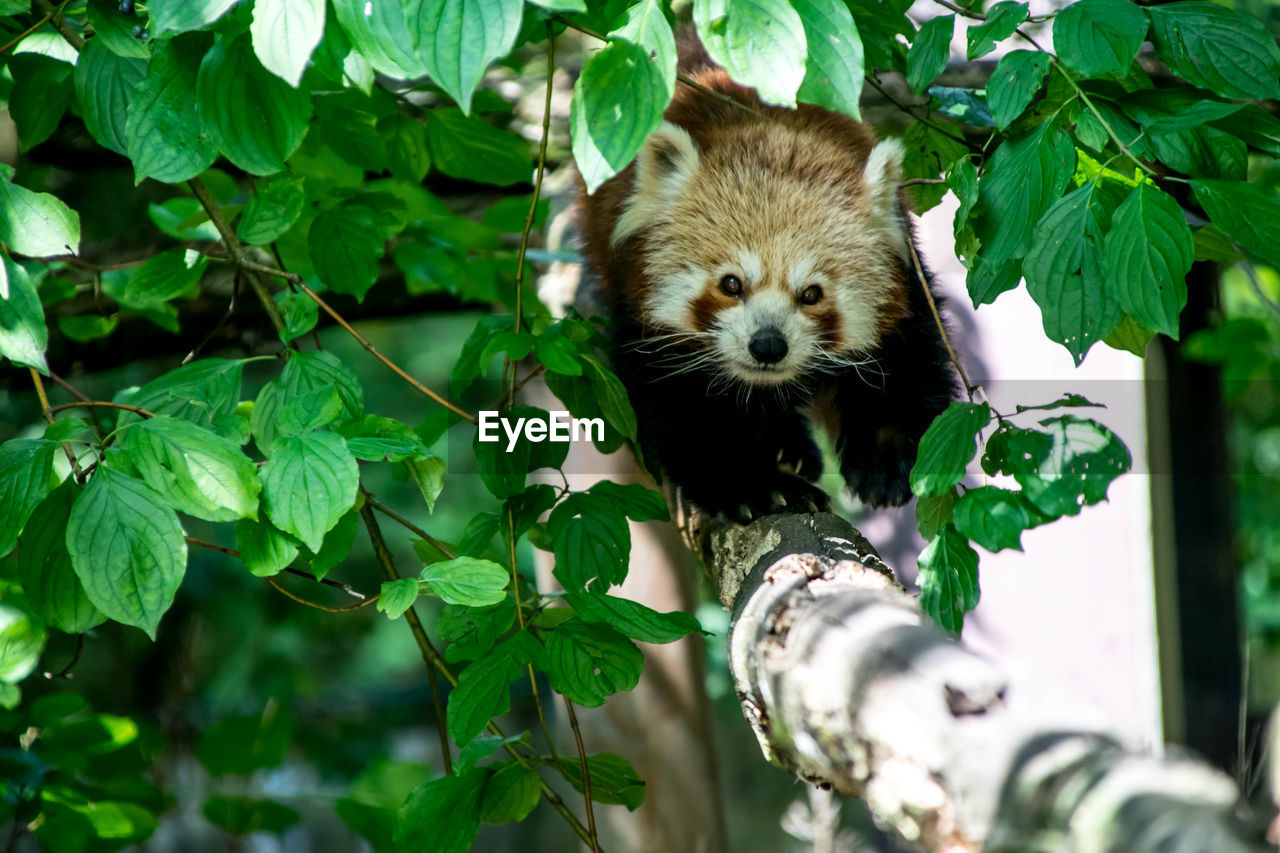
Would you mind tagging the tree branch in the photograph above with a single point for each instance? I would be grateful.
(847, 685)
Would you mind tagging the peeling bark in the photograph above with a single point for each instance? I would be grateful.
(847, 685)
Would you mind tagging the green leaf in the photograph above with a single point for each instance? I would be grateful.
(116, 30)
(482, 746)
(336, 546)
(1014, 83)
(613, 780)
(588, 663)
(304, 373)
(164, 135)
(468, 581)
(345, 248)
(611, 395)
(271, 211)
(1002, 20)
(127, 548)
(510, 794)
(23, 335)
(1130, 335)
(35, 224)
(1148, 252)
(442, 815)
(196, 471)
(264, 549)
(379, 30)
(42, 92)
(929, 51)
(934, 511)
(646, 26)
(947, 446)
(481, 693)
(992, 517)
(1099, 37)
(1217, 48)
(163, 277)
(1247, 213)
(637, 501)
(183, 15)
(471, 631)
(632, 618)
(591, 541)
(458, 39)
(308, 484)
(948, 579)
(1066, 274)
(1075, 467)
(428, 474)
(466, 147)
(44, 565)
(557, 354)
(834, 68)
(104, 84)
(255, 119)
(21, 642)
(405, 140)
(1024, 178)
(617, 102)
(26, 471)
(309, 412)
(205, 392)
(962, 104)
(927, 154)
(761, 44)
(285, 32)
(299, 312)
(398, 596)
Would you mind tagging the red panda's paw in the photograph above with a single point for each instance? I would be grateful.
(784, 493)
(801, 459)
(880, 474)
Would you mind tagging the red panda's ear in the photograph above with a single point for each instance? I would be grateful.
(666, 162)
(882, 177)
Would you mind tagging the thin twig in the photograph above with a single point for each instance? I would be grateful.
(961, 11)
(1256, 284)
(410, 526)
(586, 775)
(969, 388)
(280, 589)
(923, 119)
(1084, 98)
(48, 16)
(232, 552)
(65, 672)
(103, 404)
(47, 412)
(296, 280)
(68, 33)
(533, 681)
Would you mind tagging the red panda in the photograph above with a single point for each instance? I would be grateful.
(756, 263)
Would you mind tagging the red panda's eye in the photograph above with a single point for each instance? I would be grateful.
(731, 285)
(811, 295)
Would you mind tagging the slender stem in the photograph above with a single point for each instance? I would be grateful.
(586, 775)
(104, 404)
(296, 281)
(429, 654)
(969, 388)
(961, 11)
(236, 252)
(1084, 98)
(280, 589)
(47, 412)
(65, 672)
(923, 119)
(410, 526)
(68, 33)
(533, 680)
(232, 552)
(48, 16)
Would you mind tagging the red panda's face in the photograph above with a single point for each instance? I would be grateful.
(765, 274)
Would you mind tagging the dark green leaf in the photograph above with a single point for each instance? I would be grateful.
(442, 815)
(127, 548)
(1130, 336)
(481, 693)
(271, 211)
(632, 618)
(118, 31)
(613, 780)
(471, 631)
(929, 51)
(510, 794)
(253, 117)
(933, 512)
(264, 549)
(611, 395)
(308, 484)
(42, 91)
(761, 44)
(948, 579)
(1083, 459)
(947, 446)
(962, 104)
(591, 540)
(637, 501)
(345, 248)
(1013, 84)
(164, 135)
(1002, 19)
(467, 581)
(466, 147)
(44, 565)
(405, 140)
(1247, 213)
(1099, 37)
(1148, 252)
(1217, 48)
(588, 663)
(299, 313)
(104, 85)
(163, 277)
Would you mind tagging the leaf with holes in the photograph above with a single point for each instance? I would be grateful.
(947, 446)
(588, 663)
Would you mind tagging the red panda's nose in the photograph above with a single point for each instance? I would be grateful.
(768, 346)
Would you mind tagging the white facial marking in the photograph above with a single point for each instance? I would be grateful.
(746, 264)
(672, 298)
